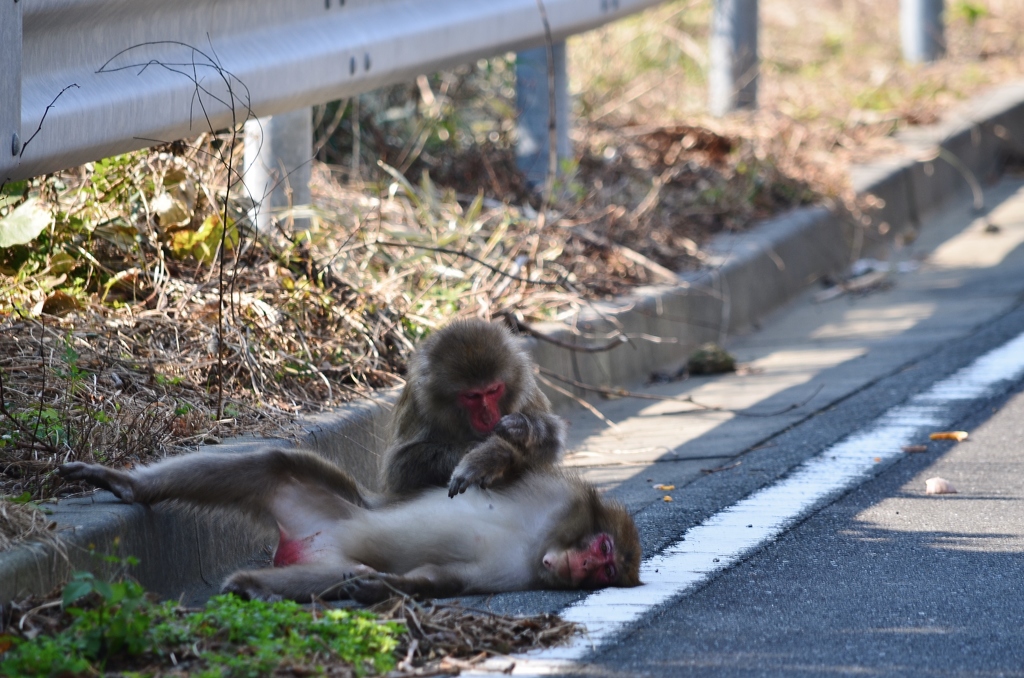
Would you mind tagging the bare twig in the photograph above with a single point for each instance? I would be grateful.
(701, 407)
(39, 128)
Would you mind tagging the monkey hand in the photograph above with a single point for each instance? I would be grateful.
(368, 590)
(483, 465)
(514, 428)
(118, 482)
(247, 585)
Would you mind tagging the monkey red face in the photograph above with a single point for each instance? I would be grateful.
(482, 405)
(591, 567)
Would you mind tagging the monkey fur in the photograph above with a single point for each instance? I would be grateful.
(471, 413)
(543, 530)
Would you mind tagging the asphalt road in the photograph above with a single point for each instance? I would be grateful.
(877, 578)
(884, 581)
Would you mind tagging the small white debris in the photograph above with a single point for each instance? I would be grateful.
(938, 486)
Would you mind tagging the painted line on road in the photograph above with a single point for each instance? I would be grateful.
(726, 537)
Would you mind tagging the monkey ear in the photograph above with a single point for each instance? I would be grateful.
(627, 543)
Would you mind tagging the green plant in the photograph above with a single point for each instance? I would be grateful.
(970, 12)
(118, 626)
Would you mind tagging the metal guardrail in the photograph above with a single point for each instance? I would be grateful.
(136, 72)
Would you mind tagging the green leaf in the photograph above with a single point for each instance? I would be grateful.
(118, 233)
(24, 223)
(62, 262)
(106, 590)
(77, 588)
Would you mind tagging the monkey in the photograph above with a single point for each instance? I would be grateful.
(547, 529)
(470, 413)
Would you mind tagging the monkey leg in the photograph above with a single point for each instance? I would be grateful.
(243, 481)
(120, 483)
(297, 582)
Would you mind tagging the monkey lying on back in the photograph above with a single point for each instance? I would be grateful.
(542, 531)
(471, 413)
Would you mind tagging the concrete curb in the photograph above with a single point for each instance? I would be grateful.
(750, 276)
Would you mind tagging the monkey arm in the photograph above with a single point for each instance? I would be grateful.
(538, 434)
(428, 581)
(522, 441)
(418, 464)
(338, 581)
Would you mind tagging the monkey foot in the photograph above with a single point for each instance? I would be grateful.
(101, 477)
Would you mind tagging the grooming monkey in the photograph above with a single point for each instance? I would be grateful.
(543, 530)
(471, 413)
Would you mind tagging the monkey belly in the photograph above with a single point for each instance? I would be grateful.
(493, 531)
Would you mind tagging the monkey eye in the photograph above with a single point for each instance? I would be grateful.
(606, 546)
(494, 389)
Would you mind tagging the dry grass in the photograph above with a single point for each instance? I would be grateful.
(21, 521)
(137, 325)
(449, 637)
(833, 89)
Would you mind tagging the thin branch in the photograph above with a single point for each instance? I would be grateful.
(579, 401)
(561, 282)
(43, 119)
(701, 407)
(522, 326)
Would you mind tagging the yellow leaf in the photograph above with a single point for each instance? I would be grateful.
(949, 435)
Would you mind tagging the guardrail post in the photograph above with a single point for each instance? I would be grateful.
(10, 85)
(733, 61)
(278, 156)
(532, 97)
(921, 30)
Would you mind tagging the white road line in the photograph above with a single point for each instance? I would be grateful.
(727, 536)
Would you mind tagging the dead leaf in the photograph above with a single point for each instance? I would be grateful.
(60, 303)
(665, 487)
(666, 498)
(949, 435)
(24, 223)
(171, 212)
(938, 485)
(915, 448)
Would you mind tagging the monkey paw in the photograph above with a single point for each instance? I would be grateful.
(514, 428)
(475, 469)
(366, 590)
(101, 477)
(246, 586)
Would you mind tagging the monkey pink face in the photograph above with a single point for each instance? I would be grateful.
(591, 567)
(482, 405)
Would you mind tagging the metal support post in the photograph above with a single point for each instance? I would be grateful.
(733, 62)
(921, 30)
(10, 86)
(532, 99)
(278, 154)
